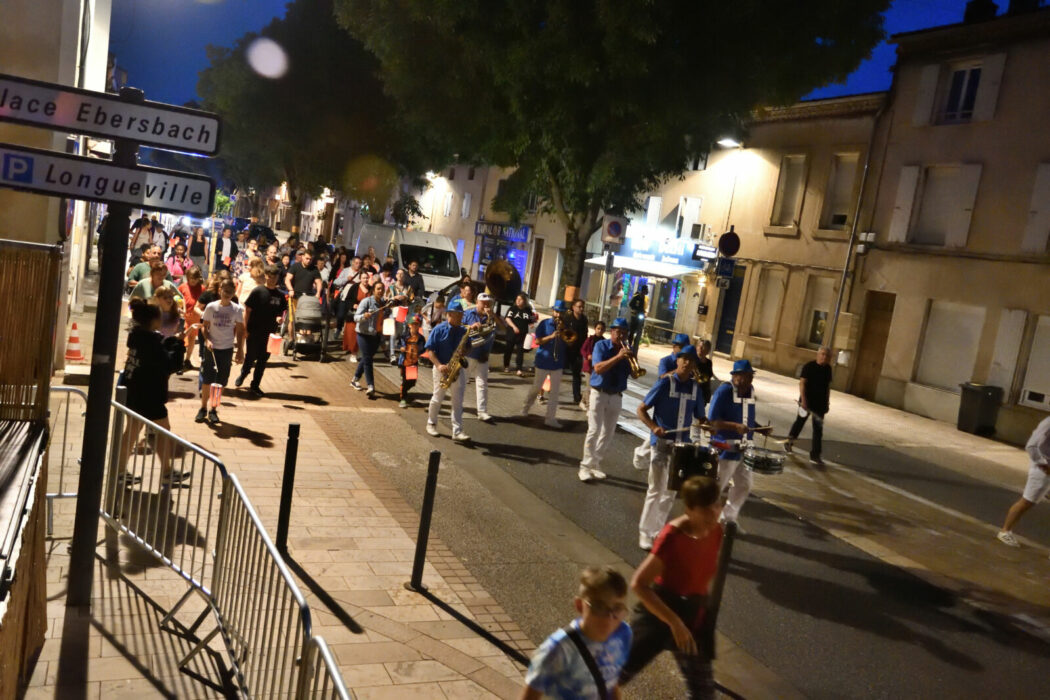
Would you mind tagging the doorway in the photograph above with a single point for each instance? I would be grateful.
(730, 308)
(878, 315)
(537, 266)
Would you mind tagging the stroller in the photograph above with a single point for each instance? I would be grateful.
(309, 330)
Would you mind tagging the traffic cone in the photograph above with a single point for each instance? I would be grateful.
(547, 383)
(73, 353)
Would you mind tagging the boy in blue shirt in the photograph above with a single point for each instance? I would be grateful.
(550, 363)
(441, 345)
(559, 669)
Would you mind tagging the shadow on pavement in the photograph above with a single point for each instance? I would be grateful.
(227, 430)
(475, 627)
(329, 602)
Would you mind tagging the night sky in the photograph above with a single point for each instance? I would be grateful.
(161, 42)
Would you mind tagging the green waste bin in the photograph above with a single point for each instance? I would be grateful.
(979, 408)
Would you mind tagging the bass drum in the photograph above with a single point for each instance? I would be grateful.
(690, 459)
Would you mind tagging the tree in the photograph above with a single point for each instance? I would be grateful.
(598, 101)
(325, 123)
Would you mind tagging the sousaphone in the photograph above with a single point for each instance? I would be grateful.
(502, 281)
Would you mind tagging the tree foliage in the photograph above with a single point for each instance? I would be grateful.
(599, 101)
(325, 123)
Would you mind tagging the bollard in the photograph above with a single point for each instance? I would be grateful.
(291, 452)
(416, 584)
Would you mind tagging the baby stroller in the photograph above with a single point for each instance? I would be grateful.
(309, 330)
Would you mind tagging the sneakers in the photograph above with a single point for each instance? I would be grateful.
(357, 385)
(403, 404)
(371, 393)
(552, 423)
(257, 392)
(584, 474)
(460, 437)
(485, 418)
(213, 417)
(432, 430)
(816, 461)
(543, 399)
(353, 358)
(598, 474)
(645, 542)
(126, 480)
(1007, 538)
(239, 381)
(202, 415)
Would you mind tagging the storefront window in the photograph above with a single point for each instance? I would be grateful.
(501, 242)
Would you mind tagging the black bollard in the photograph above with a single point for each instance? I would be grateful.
(416, 584)
(291, 453)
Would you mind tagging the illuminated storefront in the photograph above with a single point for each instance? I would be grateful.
(495, 241)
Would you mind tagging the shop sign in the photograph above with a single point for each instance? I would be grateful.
(505, 232)
(704, 252)
(643, 245)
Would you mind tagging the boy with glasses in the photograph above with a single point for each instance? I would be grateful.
(592, 649)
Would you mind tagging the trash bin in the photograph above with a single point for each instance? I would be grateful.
(979, 408)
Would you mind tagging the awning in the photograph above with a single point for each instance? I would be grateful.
(646, 267)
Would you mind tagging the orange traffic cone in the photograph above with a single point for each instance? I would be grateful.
(547, 383)
(73, 353)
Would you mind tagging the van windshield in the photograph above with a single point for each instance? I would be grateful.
(432, 261)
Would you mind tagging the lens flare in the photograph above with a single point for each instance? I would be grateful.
(267, 58)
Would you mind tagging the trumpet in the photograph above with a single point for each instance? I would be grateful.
(568, 335)
(632, 361)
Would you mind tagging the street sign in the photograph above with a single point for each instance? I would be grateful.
(614, 229)
(54, 173)
(704, 252)
(724, 267)
(99, 114)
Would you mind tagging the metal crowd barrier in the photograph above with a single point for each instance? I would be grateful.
(320, 676)
(59, 453)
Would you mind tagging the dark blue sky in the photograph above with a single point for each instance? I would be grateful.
(161, 42)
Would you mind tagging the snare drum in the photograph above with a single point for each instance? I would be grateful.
(762, 461)
(690, 459)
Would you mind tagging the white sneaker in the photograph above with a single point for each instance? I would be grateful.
(460, 436)
(353, 358)
(371, 391)
(583, 405)
(598, 474)
(357, 385)
(553, 424)
(645, 542)
(1007, 538)
(485, 418)
(585, 474)
(432, 430)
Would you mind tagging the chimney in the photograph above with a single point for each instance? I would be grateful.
(1018, 6)
(979, 11)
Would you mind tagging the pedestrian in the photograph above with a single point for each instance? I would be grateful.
(732, 416)
(576, 321)
(1036, 487)
(399, 295)
(223, 331)
(588, 348)
(151, 360)
(409, 347)
(550, 363)
(248, 252)
(171, 321)
(225, 250)
(290, 245)
(159, 236)
(672, 585)
(677, 403)
(302, 278)
(610, 367)
(251, 278)
(814, 399)
(638, 305)
(141, 240)
(706, 369)
(433, 314)
(519, 317)
(263, 308)
(345, 288)
(466, 295)
(477, 368)
(369, 321)
(191, 289)
(584, 660)
(178, 263)
(666, 365)
(141, 270)
(198, 250)
(440, 347)
(158, 273)
(415, 280)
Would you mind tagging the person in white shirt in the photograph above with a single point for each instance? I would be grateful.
(223, 329)
(1038, 484)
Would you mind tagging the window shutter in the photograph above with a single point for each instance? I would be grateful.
(959, 230)
(926, 94)
(465, 213)
(988, 91)
(1007, 344)
(1037, 230)
(906, 184)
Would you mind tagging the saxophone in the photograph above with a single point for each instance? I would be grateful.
(632, 360)
(457, 362)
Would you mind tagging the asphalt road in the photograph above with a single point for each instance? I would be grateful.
(830, 619)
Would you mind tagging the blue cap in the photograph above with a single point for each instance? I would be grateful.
(688, 352)
(621, 322)
(560, 305)
(455, 305)
(681, 340)
(742, 366)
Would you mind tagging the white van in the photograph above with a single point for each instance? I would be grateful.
(436, 254)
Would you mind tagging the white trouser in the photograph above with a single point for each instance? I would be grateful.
(658, 499)
(642, 455)
(537, 384)
(458, 388)
(603, 411)
(734, 469)
(479, 372)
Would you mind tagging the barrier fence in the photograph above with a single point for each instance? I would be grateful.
(62, 456)
(179, 503)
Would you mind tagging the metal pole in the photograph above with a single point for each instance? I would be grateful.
(291, 453)
(416, 584)
(605, 282)
(100, 385)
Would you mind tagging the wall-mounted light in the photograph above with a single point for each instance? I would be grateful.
(728, 142)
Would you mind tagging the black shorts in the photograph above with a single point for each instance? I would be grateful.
(150, 410)
(215, 366)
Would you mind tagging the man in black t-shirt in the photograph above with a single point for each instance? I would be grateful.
(415, 282)
(262, 309)
(814, 399)
(302, 278)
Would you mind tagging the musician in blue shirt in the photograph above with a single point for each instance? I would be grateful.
(676, 402)
(667, 364)
(478, 357)
(611, 368)
(550, 363)
(440, 347)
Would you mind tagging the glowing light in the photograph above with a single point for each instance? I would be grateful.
(206, 224)
(727, 142)
(185, 221)
(267, 58)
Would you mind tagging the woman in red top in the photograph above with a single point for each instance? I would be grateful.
(191, 289)
(672, 586)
